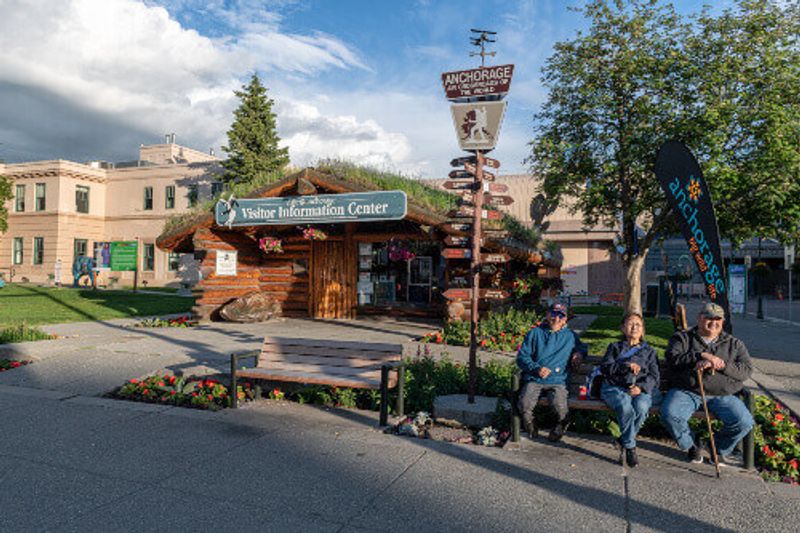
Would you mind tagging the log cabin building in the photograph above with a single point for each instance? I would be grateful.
(378, 267)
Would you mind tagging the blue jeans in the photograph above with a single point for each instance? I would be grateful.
(679, 406)
(631, 411)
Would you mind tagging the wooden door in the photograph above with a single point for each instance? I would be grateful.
(333, 279)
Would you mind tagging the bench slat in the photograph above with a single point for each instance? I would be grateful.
(316, 379)
(369, 373)
(334, 344)
(271, 351)
(348, 362)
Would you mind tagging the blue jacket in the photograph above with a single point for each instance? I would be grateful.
(619, 373)
(551, 349)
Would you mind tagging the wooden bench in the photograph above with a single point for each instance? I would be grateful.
(358, 365)
(578, 379)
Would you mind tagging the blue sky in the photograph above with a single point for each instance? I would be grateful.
(358, 80)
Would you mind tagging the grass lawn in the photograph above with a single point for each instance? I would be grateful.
(45, 305)
(605, 329)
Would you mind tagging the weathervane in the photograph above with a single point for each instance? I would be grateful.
(481, 41)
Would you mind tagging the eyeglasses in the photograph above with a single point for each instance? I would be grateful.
(557, 314)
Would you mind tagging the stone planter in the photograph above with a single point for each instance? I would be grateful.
(415, 349)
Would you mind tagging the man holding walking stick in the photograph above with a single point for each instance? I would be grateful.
(724, 363)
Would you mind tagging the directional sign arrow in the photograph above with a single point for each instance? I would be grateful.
(459, 161)
(489, 162)
(495, 258)
(495, 187)
(461, 228)
(457, 253)
(459, 185)
(466, 211)
(494, 294)
(460, 175)
(466, 294)
(498, 200)
(472, 169)
(495, 234)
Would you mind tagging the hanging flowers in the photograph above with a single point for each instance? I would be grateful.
(314, 234)
(397, 252)
(270, 245)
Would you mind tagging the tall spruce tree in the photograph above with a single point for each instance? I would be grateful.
(253, 139)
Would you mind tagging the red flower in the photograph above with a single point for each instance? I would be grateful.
(146, 391)
(172, 393)
(172, 380)
(194, 394)
(15, 364)
(160, 383)
(210, 397)
(134, 381)
(778, 417)
(793, 463)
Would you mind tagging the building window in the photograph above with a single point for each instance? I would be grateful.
(40, 197)
(82, 199)
(148, 198)
(193, 195)
(149, 259)
(169, 197)
(216, 189)
(17, 255)
(173, 261)
(38, 250)
(19, 204)
(79, 247)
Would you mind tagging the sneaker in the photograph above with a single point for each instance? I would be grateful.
(694, 455)
(531, 428)
(733, 460)
(630, 457)
(556, 434)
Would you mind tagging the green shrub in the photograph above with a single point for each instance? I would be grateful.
(498, 330)
(22, 333)
(777, 436)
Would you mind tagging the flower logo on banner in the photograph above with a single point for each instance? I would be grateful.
(693, 188)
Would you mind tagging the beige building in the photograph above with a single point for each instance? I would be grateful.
(62, 209)
(588, 266)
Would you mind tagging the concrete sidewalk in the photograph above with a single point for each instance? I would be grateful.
(76, 463)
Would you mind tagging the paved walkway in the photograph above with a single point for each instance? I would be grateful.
(74, 461)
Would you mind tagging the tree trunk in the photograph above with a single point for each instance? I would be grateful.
(633, 285)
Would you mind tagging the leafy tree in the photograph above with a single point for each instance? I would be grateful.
(641, 76)
(5, 195)
(253, 140)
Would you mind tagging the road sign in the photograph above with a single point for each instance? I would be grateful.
(457, 253)
(495, 258)
(466, 211)
(460, 175)
(482, 81)
(489, 162)
(473, 170)
(458, 227)
(495, 234)
(459, 185)
(498, 200)
(459, 161)
(451, 240)
(466, 294)
(477, 124)
(495, 187)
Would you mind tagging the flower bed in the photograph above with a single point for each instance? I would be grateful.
(777, 436)
(501, 331)
(200, 393)
(156, 322)
(9, 364)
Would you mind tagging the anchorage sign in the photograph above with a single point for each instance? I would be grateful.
(318, 209)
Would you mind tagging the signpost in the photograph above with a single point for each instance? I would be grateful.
(477, 124)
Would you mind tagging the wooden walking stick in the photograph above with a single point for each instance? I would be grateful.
(708, 421)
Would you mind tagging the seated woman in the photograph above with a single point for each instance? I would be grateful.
(630, 375)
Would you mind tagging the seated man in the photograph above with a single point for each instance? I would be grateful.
(726, 365)
(543, 359)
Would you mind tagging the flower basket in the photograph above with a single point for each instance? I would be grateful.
(314, 234)
(270, 245)
(397, 252)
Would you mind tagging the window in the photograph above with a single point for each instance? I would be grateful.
(79, 247)
(149, 259)
(192, 195)
(17, 255)
(82, 199)
(169, 197)
(173, 261)
(38, 250)
(216, 189)
(19, 204)
(40, 197)
(148, 198)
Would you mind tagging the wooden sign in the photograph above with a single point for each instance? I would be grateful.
(466, 294)
(459, 185)
(495, 258)
(458, 227)
(451, 240)
(457, 253)
(466, 211)
(495, 233)
(498, 200)
(460, 175)
(459, 161)
(472, 169)
(495, 187)
(489, 162)
(483, 81)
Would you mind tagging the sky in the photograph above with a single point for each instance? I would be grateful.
(357, 80)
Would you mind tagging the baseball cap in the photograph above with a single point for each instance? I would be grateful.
(712, 310)
(558, 309)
